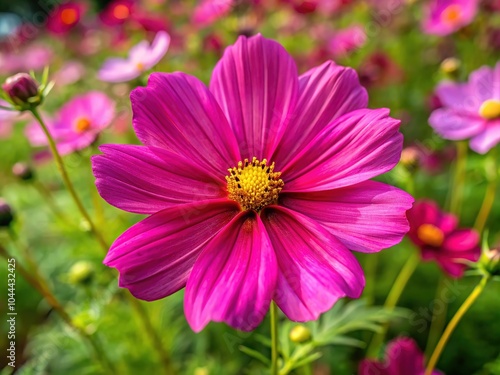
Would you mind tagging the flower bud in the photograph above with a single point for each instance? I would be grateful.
(300, 334)
(22, 171)
(6, 215)
(22, 89)
(81, 273)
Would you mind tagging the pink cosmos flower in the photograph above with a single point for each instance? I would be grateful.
(77, 124)
(439, 239)
(65, 17)
(256, 187)
(6, 119)
(141, 57)
(344, 41)
(443, 17)
(209, 11)
(402, 357)
(470, 110)
(119, 13)
(31, 57)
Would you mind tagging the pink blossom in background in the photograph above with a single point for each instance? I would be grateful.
(209, 11)
(142, 57)
(117, 12)
(345, 41)
(66, 17)
(321, 6)
(438, 238)
(6, 120)
(70, 72)
(470, 110)
(77, 124)
(443, 17)
(402, 357)
(30, 57)
(236, 244)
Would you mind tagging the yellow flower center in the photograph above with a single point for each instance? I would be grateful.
(452, 14)
(490, 109)
(69, 16)
(139, 66)
(121, 11)
(82, 125)
(254, 184)
(430, 235)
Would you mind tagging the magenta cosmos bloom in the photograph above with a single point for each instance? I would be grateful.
(439, 239)
(257, 187)
(77, 124)
(443, 17)
(141, 57)
(470, 110)
(65, 17)
(402, 357)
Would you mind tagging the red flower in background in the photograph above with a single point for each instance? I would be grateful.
(436, 234)
(65, 17)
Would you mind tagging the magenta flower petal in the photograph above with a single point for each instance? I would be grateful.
(455, 126)
(487, 139)
(368, 217)
(315, 269)
(353, 148)
(155, 256)
(457, 96)
(256, 84)
(208, 11)
(484, 83)
(178, 113)
(118, 70)
(136, 179)
(234, 278)
(403, 357)
(326, 93)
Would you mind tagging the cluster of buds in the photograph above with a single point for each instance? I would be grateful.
(23, 92)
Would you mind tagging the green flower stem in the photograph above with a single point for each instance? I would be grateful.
(459, 178)
(67, 181)
(151, 332)
(393, 298)
(438, 321)
(135, 304)
(489, 196)
(41, 286)
(49, 199)
(274, 338)
(476, 292)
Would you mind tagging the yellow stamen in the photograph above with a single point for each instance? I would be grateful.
(69, 16)
(452, 14)
(254, 184)
(139, 66)
(82, 124)
(490, 109)
(121, 11)
(430, 235)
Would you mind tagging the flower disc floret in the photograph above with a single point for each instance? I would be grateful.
(254, 184)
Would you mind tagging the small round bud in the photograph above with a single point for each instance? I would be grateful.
(201, 371)
(450, 65)
(6, 215)
(410, 157)
(81, 272)
(300, 334)
(22, 171)
(22, 89)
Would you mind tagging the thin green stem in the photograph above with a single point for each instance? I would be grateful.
(459, 178)
(489, 196)
(476, 292)
(41, 286)
(393, 298)
(138, 308)
(67, 181)
(151, 332)
(438, 320)
(274, 339)
(371, 273)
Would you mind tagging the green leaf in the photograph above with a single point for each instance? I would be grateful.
(255, 354)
